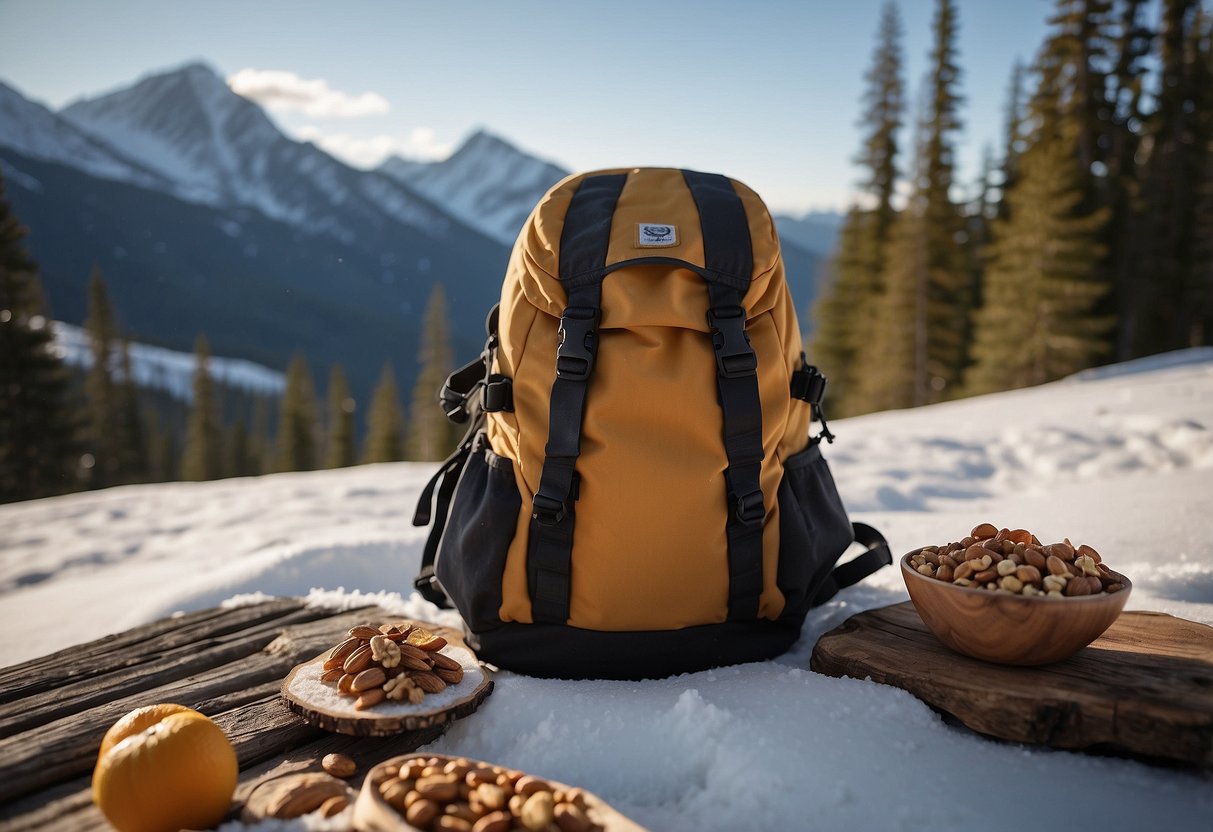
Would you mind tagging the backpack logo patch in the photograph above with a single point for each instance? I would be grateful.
(657, 234)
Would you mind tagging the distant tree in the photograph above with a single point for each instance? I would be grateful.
(38, 449)
(261, 450)
(103, 405)
(297, 419)
(385, 429)
(431, 436)
(1040, 318)
(161, 450)
(339, 443)
(238, 460)
(1012, 134)
(131, 445)
(202, 457)
(920, 327)
(1174, 307)
(854, 280)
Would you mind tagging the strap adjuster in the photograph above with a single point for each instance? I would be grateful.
(750, 508)
(578, 343)
(735, 357)
(547, 511)
(499, 394)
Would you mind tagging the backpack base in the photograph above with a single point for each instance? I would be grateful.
(553, 651)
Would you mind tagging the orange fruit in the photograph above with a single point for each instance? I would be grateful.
(164, 767)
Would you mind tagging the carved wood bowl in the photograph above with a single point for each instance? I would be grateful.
(1004, 628)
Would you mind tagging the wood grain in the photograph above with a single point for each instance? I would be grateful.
(227, 663)
(1144, 688)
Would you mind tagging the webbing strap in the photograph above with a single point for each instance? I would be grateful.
(583, 251)
(878, 554)
(728, 251)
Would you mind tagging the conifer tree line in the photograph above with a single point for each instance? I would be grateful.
(64, 430)
(1087, 237)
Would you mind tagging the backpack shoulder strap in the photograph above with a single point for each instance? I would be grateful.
(729, 261)
(584, 242)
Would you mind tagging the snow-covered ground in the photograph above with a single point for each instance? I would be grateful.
(1121, 459)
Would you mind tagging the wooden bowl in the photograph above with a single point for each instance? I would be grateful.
(373, 814)
(1011, 629)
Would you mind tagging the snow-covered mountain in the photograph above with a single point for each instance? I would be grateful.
(35, 131)
(170, 370)
(488, 183)
(220, 149)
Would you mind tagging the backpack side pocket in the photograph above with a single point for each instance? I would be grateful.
(814, 531)
(483, 519)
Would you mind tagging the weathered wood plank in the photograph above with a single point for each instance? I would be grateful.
(67, 747)
(1144, 688)
(67, 806)
(153, 670)
(122, 649)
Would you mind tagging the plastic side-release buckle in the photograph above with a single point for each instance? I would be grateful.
(499, 394)
(547, 511)
(734, 355)
(578, 343)
(808, 384)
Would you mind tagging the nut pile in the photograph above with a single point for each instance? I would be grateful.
(465, 796)
(394, 662)
(1014, 561)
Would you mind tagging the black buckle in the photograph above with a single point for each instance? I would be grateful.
(424, 580)
(547, 511)
(734, 355)
(808, 384)
(578, 343)
(750, 508)
(454, 405)
(499, 394)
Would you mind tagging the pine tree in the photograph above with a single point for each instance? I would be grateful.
(261, 456)
(431, 436)
(919, 336)
(1044, 283)
(99, 387)
(1180, 313)
(38, 450)
(1012, 135)
(237, 459)
(297, 419)
(131, 442)
(339, 444)
(202, 457)
(161, 450)
(385, 428)
(854, 277)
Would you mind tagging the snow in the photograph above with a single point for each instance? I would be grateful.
(169, 370)
(1121, 459)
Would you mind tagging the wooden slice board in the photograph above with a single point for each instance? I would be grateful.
(319, 704)
(1145, 687)
(373, 814)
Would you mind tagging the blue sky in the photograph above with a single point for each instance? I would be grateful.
(767, 92)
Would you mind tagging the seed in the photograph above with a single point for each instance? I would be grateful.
(964, 570)
(1087, 564)
(339, 765)
(986, 576)
(1034, 557)
(945, 573)
(926, 569)
(1010, 583)
(1005, 568)
(1056, 565)
(975, 552)
(422, 813)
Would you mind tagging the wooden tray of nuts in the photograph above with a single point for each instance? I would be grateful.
(420, 792)
(381, 680)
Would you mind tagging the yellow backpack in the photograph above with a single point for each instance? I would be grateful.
(638, 494)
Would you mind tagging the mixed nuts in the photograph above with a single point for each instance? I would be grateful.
(462, 795)
(1015, 561)
(393, 662)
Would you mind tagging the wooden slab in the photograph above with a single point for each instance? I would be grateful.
(324, 708)
(1144, 688)
(227, 663)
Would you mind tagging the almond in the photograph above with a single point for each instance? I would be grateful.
(339, 765)
(428, 682)
(359, 660)
(364, 631)
(369, 699)
(443, 660)
(343, 650)
(372, 677)
(425, 640)
(494, 822)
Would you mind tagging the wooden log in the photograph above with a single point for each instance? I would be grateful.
(1144, 688)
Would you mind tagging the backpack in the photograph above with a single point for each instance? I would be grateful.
(637, 494)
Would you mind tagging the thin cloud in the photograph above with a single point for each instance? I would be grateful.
(368, 151)
(285, 91)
